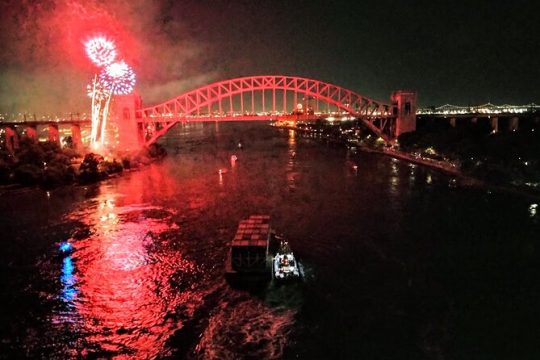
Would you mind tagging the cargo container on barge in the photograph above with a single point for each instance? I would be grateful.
(248, 253)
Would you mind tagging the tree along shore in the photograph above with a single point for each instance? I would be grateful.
(48, 165)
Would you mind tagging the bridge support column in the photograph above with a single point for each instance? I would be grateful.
(404, 103)
(140, 132)
(54, 134)
(453, 122)
(495, 124)
(474, 120)
(12, 138)
(76, 136)
(31, 132)
(125, 115)
(514, 123)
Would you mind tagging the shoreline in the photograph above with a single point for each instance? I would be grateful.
(64, 168)
(451, 169)
(442, 166)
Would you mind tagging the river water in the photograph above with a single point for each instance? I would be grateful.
(402, 262)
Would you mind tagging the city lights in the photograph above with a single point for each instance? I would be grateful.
(486, 109)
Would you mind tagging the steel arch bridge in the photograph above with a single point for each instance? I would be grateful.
(263, 98)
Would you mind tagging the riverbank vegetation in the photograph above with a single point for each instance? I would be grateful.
(48, 165)
(503, 157)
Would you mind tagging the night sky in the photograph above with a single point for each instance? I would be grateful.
(458, 52)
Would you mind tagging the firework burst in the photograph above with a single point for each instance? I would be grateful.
(118, 78)
(97, 91)
(100, 50)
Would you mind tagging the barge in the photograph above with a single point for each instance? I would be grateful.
(248, 254)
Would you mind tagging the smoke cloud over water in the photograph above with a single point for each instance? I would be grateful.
(43, 68)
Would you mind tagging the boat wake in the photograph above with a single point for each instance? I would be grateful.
(245, 327)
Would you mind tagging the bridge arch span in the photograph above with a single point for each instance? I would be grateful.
(269, 97)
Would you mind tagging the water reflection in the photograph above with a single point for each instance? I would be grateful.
(412, 174)
(66, 247)
(291, 164)
(107, 216)
(68, 280)
(121, 294)
(220, 172)
(394, 176)
(144, 276)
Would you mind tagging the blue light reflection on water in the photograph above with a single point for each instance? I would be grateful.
(66, 247)
(69, 280)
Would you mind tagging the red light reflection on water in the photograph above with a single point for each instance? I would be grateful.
(138, 278)
(123, 288)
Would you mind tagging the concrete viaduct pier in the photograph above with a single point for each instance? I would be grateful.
(14, 130)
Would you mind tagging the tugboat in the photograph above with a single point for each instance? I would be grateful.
(285, 267)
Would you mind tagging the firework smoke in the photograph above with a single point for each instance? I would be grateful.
(44, 66)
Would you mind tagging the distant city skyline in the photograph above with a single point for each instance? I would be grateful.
(460, 52)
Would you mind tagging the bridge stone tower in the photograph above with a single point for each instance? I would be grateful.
(404, 107)
(124, 116)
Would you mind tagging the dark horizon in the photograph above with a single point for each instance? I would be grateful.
(461, 53)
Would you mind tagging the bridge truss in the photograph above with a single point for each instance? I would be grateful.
(264, 98)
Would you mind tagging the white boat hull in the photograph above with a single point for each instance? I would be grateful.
(285, 267)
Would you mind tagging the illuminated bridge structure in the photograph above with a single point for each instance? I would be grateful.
(496, 114)
(254, 98)
(273, 98)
